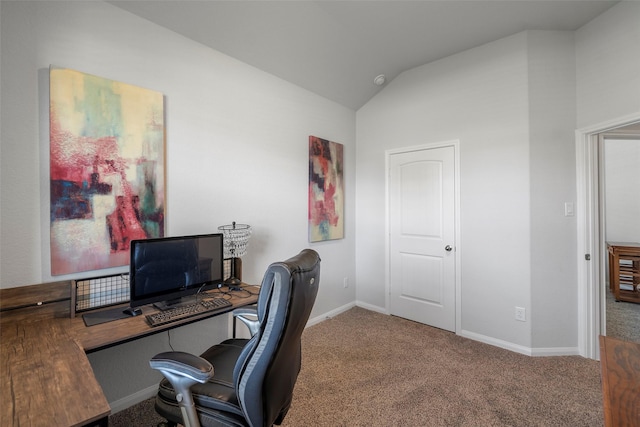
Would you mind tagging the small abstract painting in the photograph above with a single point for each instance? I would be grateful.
(326, 190)
(107, 170)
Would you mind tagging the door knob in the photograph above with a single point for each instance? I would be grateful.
(448, 248)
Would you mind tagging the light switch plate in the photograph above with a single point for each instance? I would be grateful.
(569, 209)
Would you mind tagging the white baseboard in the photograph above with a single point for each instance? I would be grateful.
(370, 307)
(555, 351)
(528, 351)
(132, 399)
(330, 314)
(496, 342)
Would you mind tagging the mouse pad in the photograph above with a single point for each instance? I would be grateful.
(104, 316)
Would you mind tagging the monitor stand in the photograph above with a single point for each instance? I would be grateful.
(175, 303)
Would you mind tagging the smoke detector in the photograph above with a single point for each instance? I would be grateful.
(379, 80)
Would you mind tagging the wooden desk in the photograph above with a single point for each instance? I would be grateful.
(109, 334)
(620, 364)
(45, 376)
(624, 270)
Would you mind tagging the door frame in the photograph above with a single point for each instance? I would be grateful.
(589, 235)
(457, 248)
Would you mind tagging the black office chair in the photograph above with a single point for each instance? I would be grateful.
(254, 378)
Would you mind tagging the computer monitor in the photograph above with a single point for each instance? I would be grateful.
(164, 271)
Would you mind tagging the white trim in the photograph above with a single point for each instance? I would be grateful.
(455, 143)
(330, 314)
(133, 399)
(602, 257)
(587, 310)
(370, 307)
(458, 247)
(387, 230)
(496, 342)
(588, 235)
(527, 351)
(555, 351)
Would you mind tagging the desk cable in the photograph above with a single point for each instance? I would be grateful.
(235, 292)
(169, 336)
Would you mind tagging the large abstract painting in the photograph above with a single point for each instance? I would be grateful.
(107, 170)
(326, 190)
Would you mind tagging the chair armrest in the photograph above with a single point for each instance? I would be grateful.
(183, 364)
(252, 324)
(183, 370)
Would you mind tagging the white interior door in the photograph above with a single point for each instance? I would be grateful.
(422, 236)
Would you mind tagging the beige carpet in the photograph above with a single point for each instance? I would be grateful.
(367, 369)
(623, 319)
(363, 368)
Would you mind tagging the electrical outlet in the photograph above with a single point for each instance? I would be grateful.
(521, 314)
(345, 282)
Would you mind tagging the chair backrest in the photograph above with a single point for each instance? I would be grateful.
(268, 367)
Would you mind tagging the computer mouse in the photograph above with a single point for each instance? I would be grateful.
(132, 311)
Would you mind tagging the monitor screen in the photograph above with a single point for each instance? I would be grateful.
(167, 269)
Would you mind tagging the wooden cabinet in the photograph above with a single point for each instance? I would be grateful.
(624, 270)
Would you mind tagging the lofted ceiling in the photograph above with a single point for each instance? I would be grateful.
(336, 48)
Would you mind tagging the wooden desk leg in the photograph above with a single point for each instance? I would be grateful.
(611, 276)
(234, 326)
(616, 276)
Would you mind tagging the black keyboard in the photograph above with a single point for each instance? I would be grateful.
(182, 312)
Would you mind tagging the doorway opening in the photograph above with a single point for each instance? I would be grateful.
(592, 259)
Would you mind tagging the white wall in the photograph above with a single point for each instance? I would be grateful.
(622, 189)
(479, 97)
(237, 150)
(552, 115)
(607, 64)
(608, 89)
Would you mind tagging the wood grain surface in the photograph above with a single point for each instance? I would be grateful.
(620, 362)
